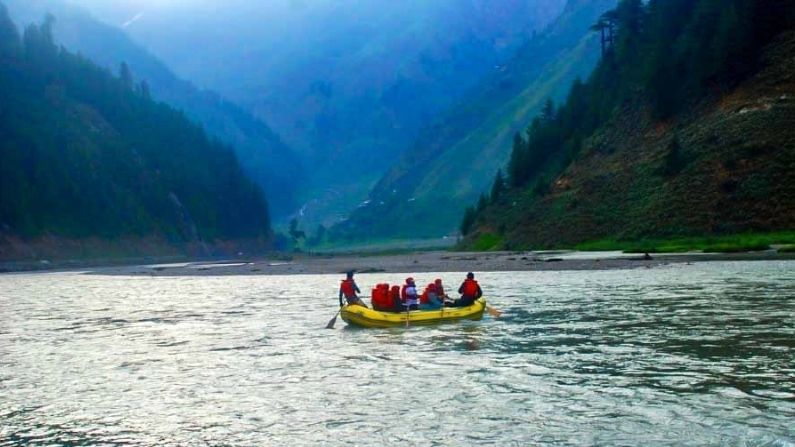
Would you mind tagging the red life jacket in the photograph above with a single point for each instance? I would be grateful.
(381, 299)
(347, 288)
(470, 288)
(430, 289)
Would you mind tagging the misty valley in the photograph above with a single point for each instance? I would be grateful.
(599, 195)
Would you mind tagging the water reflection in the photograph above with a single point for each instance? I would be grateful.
(680, 355)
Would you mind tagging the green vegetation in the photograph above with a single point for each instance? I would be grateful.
(263, 157)
(84, 154)
(673, 51)
(488, 241)
(454, 159)
(667, 138)
(712, 244)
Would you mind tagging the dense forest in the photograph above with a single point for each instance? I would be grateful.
(86, 154)
(662, 61)
(262, 154)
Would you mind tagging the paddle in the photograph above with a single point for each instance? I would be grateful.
(333, 321)
(493, 312)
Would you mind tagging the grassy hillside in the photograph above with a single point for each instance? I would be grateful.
(90, 161)
(263, 156)
(454, 160)
(719, 162)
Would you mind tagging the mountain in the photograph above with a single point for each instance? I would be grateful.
(264, 157)
(350, 83)
(683, 130)
(91, 165)
(454, 160)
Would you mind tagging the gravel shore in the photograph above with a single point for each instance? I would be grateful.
(434, 261)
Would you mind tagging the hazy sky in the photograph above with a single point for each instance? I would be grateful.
(120, 12)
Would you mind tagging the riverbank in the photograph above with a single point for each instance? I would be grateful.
(432, 261)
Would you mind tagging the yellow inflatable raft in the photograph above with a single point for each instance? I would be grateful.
(369, 318)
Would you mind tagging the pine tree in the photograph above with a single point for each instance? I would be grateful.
(516, 165)
(468, 221)
(126, 76)
(9, 37)
(483, 202)
(145, 92)
(498, 188)
(39, 44)
(548, 111)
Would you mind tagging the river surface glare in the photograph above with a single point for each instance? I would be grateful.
(678, 355)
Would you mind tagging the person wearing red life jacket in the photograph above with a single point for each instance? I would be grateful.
(409, 295)
(469, 290)
(430, 299)
(440, 290)
(397, 302)
(349, 290)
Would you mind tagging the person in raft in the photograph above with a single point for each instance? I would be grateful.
(349, 289)
(430, 299)
(408, 295)
(469, 290)
(440, 290)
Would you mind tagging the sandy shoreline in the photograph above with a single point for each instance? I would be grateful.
(434, 261)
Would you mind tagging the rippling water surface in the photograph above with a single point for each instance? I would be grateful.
(680, 355)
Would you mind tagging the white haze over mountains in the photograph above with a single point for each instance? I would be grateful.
(349, 84)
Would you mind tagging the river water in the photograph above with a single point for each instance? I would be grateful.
(678, 355)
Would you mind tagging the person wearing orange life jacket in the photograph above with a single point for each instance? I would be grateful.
(469, 290)
(408, 294)
(349, 289)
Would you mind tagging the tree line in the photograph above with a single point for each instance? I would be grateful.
(86, 153)
(668, 53)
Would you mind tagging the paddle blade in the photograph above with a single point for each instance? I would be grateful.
(493, 312)
(333, 321)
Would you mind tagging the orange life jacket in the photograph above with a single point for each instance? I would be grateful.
(347, 288)
(470, 288)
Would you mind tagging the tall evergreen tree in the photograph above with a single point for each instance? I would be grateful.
(125, 74)
(498, 187)
(9, 37)
(145, 91)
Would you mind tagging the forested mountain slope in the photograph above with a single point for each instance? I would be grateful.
(91, 165)
(347, 83)
(264, 157)
(454, 160)
(684, 129)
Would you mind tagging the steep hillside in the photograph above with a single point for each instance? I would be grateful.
(348, 83)
(264, 157)
(697, 142)
(91, 165)
(454, 160)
